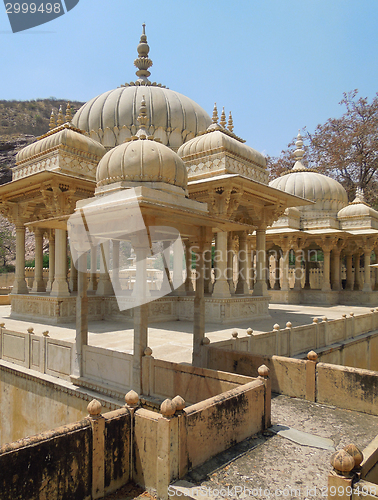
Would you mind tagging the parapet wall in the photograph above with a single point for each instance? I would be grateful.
(351, 340)
(32, 403)
(101, 453)
(345, 387)
(52, 465)
(162, 379)
(239, 413)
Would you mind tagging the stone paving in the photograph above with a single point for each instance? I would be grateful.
(269, 467)
(172, 341)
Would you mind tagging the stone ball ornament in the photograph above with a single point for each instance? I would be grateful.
(342, 461)
(355, 453)
(94, 408)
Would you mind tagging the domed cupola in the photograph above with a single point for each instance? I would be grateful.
(219, 151)
(358, 214)
(142, 160)
(328, 195)
(111, 117)
(65, 149)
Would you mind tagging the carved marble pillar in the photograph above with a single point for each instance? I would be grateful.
(249, 268)
(207, 277)
(140, 292)
(285, 267)
(51, 260)
(60, 285)
(115, 267)
(141, 288)
(199, 299)
(20, 286)
(367, 261)
(230, 263)
(73, 276)
(326, 286)
(349, 271)
(252, 271)
(336, 276)
(277, 272)
(221, 288)
(376, 269)
(188, 264)
(298, 269)
(104, 286)
(307, 285)
(81, 339)
(92, 286)
(242, 286)
(178, 261)
(267, 270)
(260, 288)
(38, 283)
(357, 277)
(166, 285)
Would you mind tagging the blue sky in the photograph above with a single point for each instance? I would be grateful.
(278, 65)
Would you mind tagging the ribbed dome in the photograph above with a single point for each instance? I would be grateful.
(64, 136)
(358, 208)
(327, 193)
(111, 117)
(143, 160)
(217, 140)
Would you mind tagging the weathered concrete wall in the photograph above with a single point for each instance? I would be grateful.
(293, 377)
(344, 387)
(145, 448)
(357, 353)
(349, 388)
(31, 404)
(117, 449)
(164, 379)
(79, 461)
(235, 415)
(54, 465)
(299, 340)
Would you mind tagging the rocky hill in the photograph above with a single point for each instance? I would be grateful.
(20, 123)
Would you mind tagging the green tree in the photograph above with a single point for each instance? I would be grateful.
(7, 247)
(344, 148)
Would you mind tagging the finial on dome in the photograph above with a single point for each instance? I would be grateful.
(52, 123)
(142, 119)
(230, 123)
(299, 152)
(68, 112)
(215, 113)
(60, 120)
(360, 196)
(223, 119)
(143, 62)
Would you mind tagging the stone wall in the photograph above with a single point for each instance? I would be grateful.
(349, 388)
(292, 377)
(53, 465)
(79, 461)
(320, 335)
(56, 310)
(164, 379)
(238, 413)
(341, 386)
(101, 453)
(32, 403)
